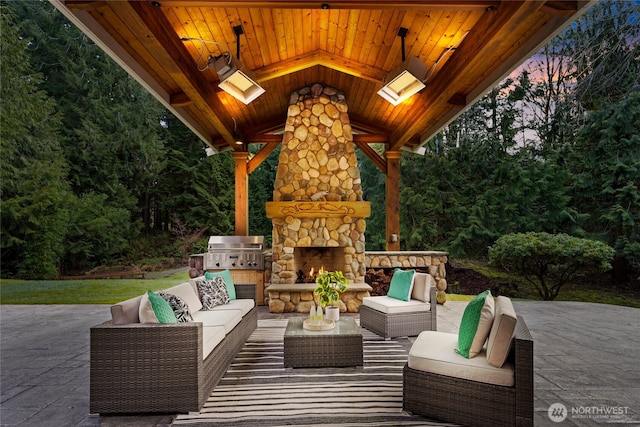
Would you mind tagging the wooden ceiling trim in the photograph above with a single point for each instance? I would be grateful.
(179, 62)
(477, 46)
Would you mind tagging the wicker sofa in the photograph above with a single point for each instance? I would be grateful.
(166, 368)
(440, 384)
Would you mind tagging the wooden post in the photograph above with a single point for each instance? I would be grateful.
(241, 192)
(392, 191)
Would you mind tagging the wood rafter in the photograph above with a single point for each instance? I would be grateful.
(325, 59)
(473, 49)
(196, 88)
(342, 4)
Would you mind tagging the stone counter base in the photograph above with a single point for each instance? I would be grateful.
(288, 298)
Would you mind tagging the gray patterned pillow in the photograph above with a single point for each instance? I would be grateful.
(179, 307)
(212, 292)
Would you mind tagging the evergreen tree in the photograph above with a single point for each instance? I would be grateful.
(606, 170)
(33, 186)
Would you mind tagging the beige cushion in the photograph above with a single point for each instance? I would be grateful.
(484, 326)
(145, 311)
(226, 318)
(211, 337)
(244, 305)
(435, 352)
(502, 331)
(422, 283)
(390, 305)
(126, 311)
(188, 293)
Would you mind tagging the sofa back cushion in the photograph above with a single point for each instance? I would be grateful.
(188, 293)
(126, 311)
(502, 332)
(422, 283)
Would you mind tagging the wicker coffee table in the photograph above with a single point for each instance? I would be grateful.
(340, 346)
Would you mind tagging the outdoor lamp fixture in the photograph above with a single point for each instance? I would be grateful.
(406, 80)
(236, 79)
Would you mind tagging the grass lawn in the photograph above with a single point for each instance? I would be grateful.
(111, 291)
(97, 291)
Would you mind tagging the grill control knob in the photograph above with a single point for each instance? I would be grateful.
(233, 264)
(217, 264)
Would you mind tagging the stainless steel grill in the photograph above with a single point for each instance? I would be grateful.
(235, 252)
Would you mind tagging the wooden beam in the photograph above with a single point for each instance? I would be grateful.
(323, 58)
(260, 156)
(392, 200)
(459, 99)
(560, 8)
(263, 138)
(241, 193)
(342, 4)
(180, 100)
(476, 46)
(160, 39)
(84, 4)
(372, 154)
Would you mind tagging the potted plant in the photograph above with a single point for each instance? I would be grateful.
(330, 285)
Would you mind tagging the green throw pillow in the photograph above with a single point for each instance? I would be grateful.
(401, 284)
(469, 323)
(228, 280)
(161, 308)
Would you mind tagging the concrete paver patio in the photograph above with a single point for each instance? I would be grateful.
(585, 359)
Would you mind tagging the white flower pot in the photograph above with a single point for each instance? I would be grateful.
(332, 313)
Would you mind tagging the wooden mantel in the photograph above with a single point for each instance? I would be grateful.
(318, 209)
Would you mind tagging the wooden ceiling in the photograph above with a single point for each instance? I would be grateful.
(350, 45)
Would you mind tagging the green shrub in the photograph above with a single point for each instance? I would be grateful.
(550, 261)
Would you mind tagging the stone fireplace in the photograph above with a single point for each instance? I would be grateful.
(317, 210)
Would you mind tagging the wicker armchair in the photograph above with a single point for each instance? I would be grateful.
(472, 402)
(391, 325)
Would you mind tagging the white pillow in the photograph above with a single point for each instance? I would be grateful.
(484, 326)
(145, 311)
(422, 283)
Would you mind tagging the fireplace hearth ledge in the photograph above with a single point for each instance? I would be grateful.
(309, 287)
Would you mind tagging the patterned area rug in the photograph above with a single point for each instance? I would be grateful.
(257, 390)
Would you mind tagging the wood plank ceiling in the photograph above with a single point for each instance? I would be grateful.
(350, 45)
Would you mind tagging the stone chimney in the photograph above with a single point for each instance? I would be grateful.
(317, 210)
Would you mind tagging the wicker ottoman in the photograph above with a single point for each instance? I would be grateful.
(337, 347)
